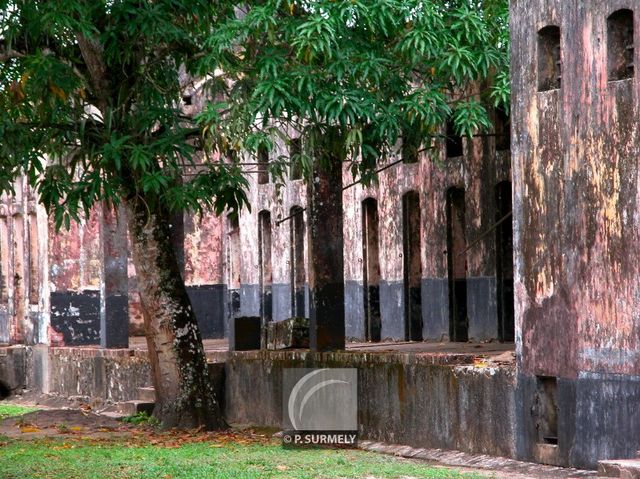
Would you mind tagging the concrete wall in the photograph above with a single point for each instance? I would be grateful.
(402, 399)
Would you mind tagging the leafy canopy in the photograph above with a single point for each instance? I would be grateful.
(90, 107)
(372, 71)
(90, 91)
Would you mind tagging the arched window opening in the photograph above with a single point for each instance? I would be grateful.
(549, 58)
(620, 45)
(371, 270)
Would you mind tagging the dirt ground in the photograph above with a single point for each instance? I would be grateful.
(64, 423)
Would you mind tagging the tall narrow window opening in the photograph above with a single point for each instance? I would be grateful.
(620, 45)
(412, 266)
(34, 259)
(371, 270)
(457, 265)
(263, 166)
(18, 247)
(4, 260)
(549, 58)
(266, 272)
(502, 125)
(454, 146)
(295, 157)
(504, 262)
(298, 276)
(411, 142)
(234, 263)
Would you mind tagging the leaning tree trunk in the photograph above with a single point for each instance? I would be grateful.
(185, 396)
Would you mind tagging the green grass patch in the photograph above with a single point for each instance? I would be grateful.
(10, 410)
(86, 459)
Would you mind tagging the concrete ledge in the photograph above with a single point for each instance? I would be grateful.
(292, 333)
(622, 468)
(403, 398)
(355, 357)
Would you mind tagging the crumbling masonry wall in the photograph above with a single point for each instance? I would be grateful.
(576, 203)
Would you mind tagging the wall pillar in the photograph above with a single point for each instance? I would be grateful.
(114, 297)
(326, 258)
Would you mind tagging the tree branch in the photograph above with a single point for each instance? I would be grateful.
(6, 55)
(92, 54)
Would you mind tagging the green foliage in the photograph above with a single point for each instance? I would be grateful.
(372, 71)
(90, 105)
(95, 459)
(141, 418)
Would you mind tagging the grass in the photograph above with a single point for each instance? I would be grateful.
(91, 459)
(10, 410)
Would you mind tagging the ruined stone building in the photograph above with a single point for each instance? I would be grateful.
(423, 260)
(432, 253)
(575, 153)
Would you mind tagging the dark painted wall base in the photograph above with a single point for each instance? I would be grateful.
(280, 301)
(114, 324)
(210, 304)
(77, 317)
(598, 418)
(482, 308)
(435, 309)
(249, 300)
(392, 310)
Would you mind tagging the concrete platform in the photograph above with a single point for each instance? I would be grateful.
(491, 350)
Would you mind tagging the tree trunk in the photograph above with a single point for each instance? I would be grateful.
(185, 396)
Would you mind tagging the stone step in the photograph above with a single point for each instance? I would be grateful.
(147, 394)
(620, 468)
(131, 408)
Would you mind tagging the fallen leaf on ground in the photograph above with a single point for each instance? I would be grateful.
(26, 429)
